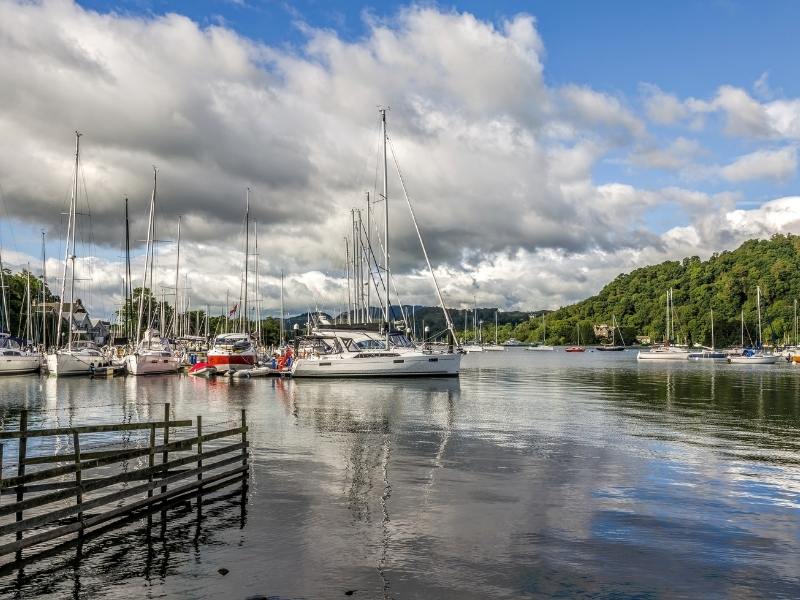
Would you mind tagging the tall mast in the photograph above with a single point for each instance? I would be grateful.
(758, 311)
(795, 322)
(244, 319)
(281, 325)
(369, 264)
(258, 297)
(128, 282)
(29, 320)
(386, 266)
(347, 270)
(71, 242)
(495, 329)
(146, 259)
(361, 311)
(175, 330)
(4, 297)
(44, 293)
(712, 329)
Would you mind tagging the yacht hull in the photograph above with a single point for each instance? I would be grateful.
(18, 365)
(64, 363)
(151, 364)
(662, 356)
(753, 360)
(403, 365)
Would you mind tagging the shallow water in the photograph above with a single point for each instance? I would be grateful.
(532, 475)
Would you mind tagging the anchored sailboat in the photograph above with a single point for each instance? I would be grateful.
(76, 357)
(754, 356)
(375, 350)
(665, 352)
(151, 354)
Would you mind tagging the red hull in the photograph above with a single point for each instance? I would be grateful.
(226, 362)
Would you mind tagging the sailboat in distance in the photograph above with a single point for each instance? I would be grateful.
(75, 357)
(494, 347)
(754, 356)
(543, 347)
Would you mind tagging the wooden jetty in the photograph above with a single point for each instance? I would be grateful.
(57, 501)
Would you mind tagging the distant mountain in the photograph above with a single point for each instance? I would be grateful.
(726, 283)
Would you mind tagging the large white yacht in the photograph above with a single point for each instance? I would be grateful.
(14, 360)
(340, 351)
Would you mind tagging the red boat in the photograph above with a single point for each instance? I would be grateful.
(575, 349)
(232, 352)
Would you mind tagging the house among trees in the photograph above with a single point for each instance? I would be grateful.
(95, 330)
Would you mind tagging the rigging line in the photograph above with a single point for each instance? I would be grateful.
(394, 284)
(422, 244)
(8, 216)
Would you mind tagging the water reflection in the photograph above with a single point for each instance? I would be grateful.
(535, 474)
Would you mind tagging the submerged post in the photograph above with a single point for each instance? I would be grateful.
(244, 437)
(165, 454)
(78, 489)
(200, 451)
(23, 454)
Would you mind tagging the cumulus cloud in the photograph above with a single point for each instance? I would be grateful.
(680, 153)
(762, 164)
(500, 166)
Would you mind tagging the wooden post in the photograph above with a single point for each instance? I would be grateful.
(151, 461)
(244, 437)
(200, 447)
(23, 453)
(76, 442)
(165, 454)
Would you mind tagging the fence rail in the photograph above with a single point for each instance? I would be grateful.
(164, 481)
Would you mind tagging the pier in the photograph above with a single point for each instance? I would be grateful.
(51, 502)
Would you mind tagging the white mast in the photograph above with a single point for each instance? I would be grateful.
(386, 266)
(795, 322)
(175, 328)
(495, 329)
(44, 294)
(369, 263)
(743, 328)
(258, 297)
(29, 321)
(244, 321)
(282, 333)
(758, 310)
(712, 329)
(67, 255)
(347, 270)
(4, 296)
(147, 257)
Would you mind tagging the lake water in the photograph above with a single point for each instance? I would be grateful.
(532, 475)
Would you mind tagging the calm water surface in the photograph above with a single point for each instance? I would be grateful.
(533, 475)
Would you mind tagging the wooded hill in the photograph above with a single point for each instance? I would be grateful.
(726, 283)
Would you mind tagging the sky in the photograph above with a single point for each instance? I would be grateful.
(546, 146)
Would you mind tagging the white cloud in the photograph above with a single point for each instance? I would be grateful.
(596, 108)
(500, 166)
(661, 107)
(680, 153)
(762, 164)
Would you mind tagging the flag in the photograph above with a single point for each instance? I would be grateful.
(233, 310)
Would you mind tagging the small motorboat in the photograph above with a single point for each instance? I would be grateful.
(575, 349)
(203, 369)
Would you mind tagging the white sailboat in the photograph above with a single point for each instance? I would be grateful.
(709, 354)
(543, 347)
(665, 352)
(475, 345)
(14, 360)
(355, 351)
(77, 357)
(151, 355)
(494, 347)
(754, 356)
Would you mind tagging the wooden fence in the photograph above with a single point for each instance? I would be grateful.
(39, 489)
